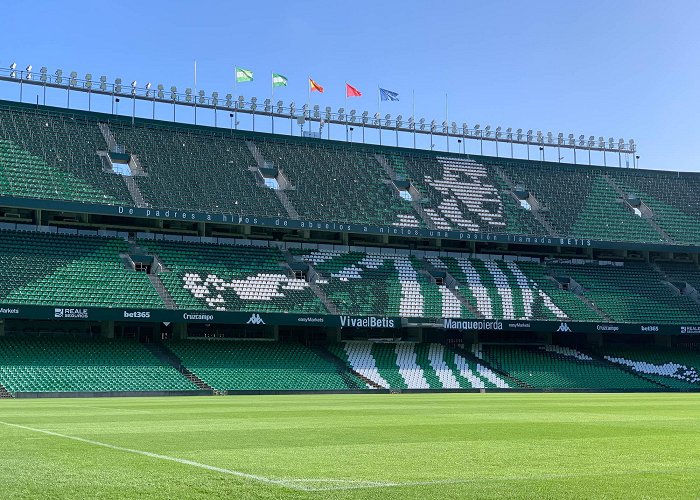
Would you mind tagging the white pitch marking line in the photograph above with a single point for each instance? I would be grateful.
(286, 483)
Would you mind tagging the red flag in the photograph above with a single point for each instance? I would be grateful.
(315, 87)
(351, 91)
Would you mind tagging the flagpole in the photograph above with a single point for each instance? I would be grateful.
(346, 111)
(413, 93)
(195, 91)
(308, 105)
(447, 123)
(272, 102)
(379, 110)
(235, 97)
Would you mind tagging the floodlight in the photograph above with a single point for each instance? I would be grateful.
(328, 112)
(549, 137)
(188, 94)
(118, 85)
(432, 125)
(601, 142)
(59, 76)
(477, 130)
(173, 93)
(444, 127)
(498, 132)
(572, 141)
(529, 135)
(43, 72)
(161, 91)
(229, 100)
(465, 128)
(280, 106)
(581, 141)
(519, 133)
(215, 98)
(241, 101)
(376, 119)
(202, 98)
(365, 117)
(317, 111)
(13, 66)
(353, 115)
(422, 123)
(611, 142)
(341, 113)
(487, 129)
(268, 105)
(73, 80)
(621, 144)
(454, 127)
(292, 108)
(540, 137)
(509, 133)
(399, 121)
(253, 103)
(28, 76)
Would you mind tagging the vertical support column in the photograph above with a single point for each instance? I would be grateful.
(108, 329)
(333, 334)
(2, 327)
(201, 228)
(180, 331)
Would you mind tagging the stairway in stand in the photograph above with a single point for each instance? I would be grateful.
(161, 352)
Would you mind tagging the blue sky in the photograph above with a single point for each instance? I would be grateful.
(621, 69)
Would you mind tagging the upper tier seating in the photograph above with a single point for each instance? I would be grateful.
(373, 283)
(54, 156)
(57, 269)
(77, 365)
(338, 183)
(231, 278)
(633, 292)
(261, 365)
(197, 170)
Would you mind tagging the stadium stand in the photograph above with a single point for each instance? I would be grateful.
(260, 365)
(410, 365)
(84, 365)
(557, 367)
(678, 369)
(377, 283)
(629, 292)
(60, 269)
(231, 278)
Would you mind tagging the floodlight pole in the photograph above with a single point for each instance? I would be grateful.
(21, 78)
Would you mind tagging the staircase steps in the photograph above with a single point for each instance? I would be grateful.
(162, 353)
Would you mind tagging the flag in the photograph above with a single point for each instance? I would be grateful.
(388, 95)
(315, 87)
(351, 91)
(244, 75)
(279, 80)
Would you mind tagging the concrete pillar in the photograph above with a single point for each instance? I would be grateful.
(180, 331)
(108, 329)
(37, 215)
(344, 238)
(275, 330)
(246, 230)
(333, 334)
(2, 327)
(201, 228)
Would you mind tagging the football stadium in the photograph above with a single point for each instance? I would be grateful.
(193, 304)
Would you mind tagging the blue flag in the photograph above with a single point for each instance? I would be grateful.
(388, 95)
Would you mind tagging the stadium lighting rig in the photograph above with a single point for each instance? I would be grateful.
(365, 120)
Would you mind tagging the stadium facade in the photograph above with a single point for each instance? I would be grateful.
(141, 256)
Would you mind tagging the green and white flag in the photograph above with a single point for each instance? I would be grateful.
(279, 80)
(244, 75)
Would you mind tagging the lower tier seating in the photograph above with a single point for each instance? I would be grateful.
(556, 367)
(409, 365)
(82, 365)
(262, 365)
(675, 368)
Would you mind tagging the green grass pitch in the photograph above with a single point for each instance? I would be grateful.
(353, 446)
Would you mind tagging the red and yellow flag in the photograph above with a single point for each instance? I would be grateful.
(315, 87)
